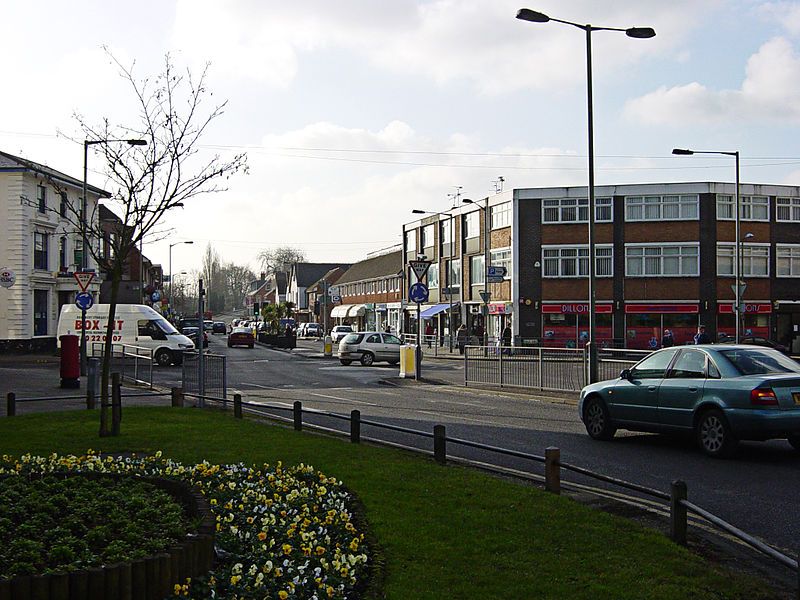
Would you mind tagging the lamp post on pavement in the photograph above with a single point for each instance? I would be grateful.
(170, 268)
(737, 262)
(486, 264)
(85, 254)
(526, 14)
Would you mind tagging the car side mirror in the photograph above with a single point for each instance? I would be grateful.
(625, 374)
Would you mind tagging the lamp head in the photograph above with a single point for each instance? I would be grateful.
(467, 201)
(640, 32)
(137, 142)
(189, 242)
(526, 14)
(682, 151)
(417, 211)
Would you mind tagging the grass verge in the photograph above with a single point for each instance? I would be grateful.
(444, 532)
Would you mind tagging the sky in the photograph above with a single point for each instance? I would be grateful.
(355, 112)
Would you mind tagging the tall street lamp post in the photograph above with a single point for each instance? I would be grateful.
(85, 253)
(486, 264)
(449, 216)
(170, 268)
(526, 14)
(738, 290)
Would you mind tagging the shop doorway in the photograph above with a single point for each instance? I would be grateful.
(788, 327)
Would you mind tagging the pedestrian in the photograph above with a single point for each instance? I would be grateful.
(461, 338)
(701, 337)
(387, 329)
(506, 335)
(667, 341)
(429, 331)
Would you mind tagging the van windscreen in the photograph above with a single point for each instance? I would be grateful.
(166, 326)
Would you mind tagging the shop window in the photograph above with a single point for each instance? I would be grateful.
(572, 330)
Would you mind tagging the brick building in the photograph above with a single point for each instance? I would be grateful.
(664, 259)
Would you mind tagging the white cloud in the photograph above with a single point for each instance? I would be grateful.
(769, 92)
(786, 14)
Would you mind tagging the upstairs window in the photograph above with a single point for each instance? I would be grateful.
(787, 210)
(662, 208)
(40, 251)
(753, 208)
(575, 210)
(41, 198)
(472, 225)
(662, 261)
(501, 215)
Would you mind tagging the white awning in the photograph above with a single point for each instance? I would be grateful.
(357, 310)
(340, 311)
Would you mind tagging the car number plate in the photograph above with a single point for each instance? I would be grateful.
(796, 397)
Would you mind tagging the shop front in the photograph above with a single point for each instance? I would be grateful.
(394, 312)
(356, 316)
(339, 313)
(499, 317)
(755, 320)
(566, 324)
(645, 324)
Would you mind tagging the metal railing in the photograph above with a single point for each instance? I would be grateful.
(215, 374)
(134, 363)
(435, 345)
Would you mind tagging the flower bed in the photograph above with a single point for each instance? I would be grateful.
(281, 532)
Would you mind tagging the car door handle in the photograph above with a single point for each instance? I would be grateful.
(651, 388)
(692, 389)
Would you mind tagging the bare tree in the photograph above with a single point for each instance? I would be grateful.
(149, 180)
(214, 279)
(280, 259)
(237, 283)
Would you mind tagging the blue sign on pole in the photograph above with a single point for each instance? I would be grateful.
(418, 293)
(84, 300)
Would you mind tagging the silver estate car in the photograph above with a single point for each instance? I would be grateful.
(369, 347)
(719, 393)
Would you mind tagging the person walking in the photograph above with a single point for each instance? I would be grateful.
(667, 341)
(429, 331)
(701, 337)
(506, 339)
(461, 338)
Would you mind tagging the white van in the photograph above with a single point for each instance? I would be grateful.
(135, 325)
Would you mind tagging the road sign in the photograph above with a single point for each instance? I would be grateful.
(84, 278)
(420, 267)
(7, 278)
(493, 271)
(742, 288)
(333, 290)
(84, 300)
(495, 279)
(418, 293)
(485, 296)
(336, 299)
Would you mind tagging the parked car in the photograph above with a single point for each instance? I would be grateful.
(208, 325)
(339, 332)
(753, 340)
(241, 336)
(219, 327)
(720, 393)
(192, 333)
(313, 330)
(369, 347)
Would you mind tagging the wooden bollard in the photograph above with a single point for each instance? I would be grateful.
(11, 404)
(439, 444)
(552, 470)
(677, 512)
(59, 586)
(116, 403)
(177, 397)
(237, 406)
(298, 415)
(355, 426)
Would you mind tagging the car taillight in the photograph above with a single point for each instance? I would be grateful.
(763, 397)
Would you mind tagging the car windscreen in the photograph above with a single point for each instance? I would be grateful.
(760, 362)
(353, 338)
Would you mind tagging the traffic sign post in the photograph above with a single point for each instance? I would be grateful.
(420, 267)
(418, 293)
(84, 301)
(486, 296)
(84, 278)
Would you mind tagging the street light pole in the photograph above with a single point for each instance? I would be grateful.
(170, 268)
(738, 271)
(525, 14)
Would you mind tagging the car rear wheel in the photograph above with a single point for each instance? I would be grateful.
(714, 435)
(163, 357)
(367, 359)
(345, 362)
(794, 440)
(597, 420)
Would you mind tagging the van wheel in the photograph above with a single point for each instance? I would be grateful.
(163, 357)
(367, 359)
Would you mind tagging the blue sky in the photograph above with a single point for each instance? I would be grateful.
(409, 99)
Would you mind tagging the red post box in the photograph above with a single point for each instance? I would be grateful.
(70, 361)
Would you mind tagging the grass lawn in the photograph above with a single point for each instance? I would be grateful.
(444, 532)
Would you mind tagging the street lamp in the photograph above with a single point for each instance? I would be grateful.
(525, 14)
(737, 261)
(486, 261)
(449, 216)
(85, 254)
(170, 268)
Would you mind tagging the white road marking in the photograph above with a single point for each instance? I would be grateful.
(343, 399)
(475, 404)
(261, 360)
(263, 387)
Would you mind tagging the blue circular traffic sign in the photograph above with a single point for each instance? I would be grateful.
(418, 293)
(84, 300)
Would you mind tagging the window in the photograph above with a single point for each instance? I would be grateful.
(662, 261)
(573, 261)
(77, 254)
(653, 367)
(62, 254)
(454, 273)
(411, 242)
(501, 215)
(427, 236)
(477, 270)
(753, 208)
(788, 260)
(787, 209)
(444, 231)
(63, 208)
(433, 275)
(691, 364)
(662, 208)
(575, 210)
(40, 251)
(41, 197)
(40, 306)
(472, 224)
(375, 338)
(502, 258)
(755, 260)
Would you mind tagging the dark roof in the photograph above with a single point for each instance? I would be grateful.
(385, 265)
(280, 281)
(11, 163)
(309, 273)
(331, 277)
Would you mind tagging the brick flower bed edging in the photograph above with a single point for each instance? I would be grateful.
(150, 578)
